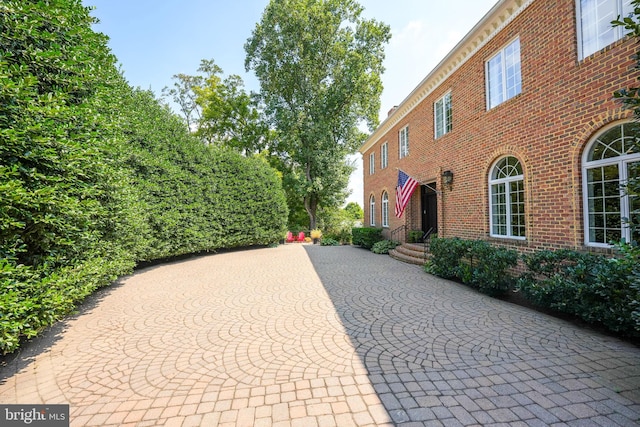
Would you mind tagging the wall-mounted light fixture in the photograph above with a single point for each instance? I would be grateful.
(447, 177)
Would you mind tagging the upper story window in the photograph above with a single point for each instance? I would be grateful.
(372, 163)
(372, 211)
(609, 162)
(594, 23)
(385, 209)
(403, 140)
(506, 184)
(384, 155)
(442, 115)
(504, 79)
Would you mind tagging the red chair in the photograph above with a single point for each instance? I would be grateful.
(289, 237)
(301, 236)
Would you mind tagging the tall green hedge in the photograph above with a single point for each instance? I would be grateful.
(95, 176)
(366, 237)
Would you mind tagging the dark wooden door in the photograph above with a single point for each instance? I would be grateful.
(429, 208)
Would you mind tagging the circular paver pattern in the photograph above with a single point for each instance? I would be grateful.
(439, 352)
(304, 335)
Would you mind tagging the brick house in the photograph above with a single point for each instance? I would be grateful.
(515, 137)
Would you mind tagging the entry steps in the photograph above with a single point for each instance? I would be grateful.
(411, 253)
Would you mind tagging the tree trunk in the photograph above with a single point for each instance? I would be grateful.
(311, 206)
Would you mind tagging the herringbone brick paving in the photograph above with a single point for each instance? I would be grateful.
(304, 335)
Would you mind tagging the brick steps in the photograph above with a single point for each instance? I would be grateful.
(410, 253)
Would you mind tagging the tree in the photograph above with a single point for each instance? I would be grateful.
(183, 94)
(354, 211)
(319, 65)
(219, 110)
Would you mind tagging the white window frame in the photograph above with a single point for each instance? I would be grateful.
(509, 215)
(385, 209)
(372, 210)
(598, 25)
(403, 142)
(622, 163)
(442, 116)
(509, 70)
(372, 163)
(384, 155)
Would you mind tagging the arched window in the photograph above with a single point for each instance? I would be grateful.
(372, 211)
(506, 186)
(610, 160)
(385, 209)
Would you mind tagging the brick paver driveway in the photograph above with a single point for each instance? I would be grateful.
(262, 337)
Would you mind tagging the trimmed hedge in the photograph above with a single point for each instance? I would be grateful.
(474, 262)
(599, 290)
(95, 176)
(366, 237)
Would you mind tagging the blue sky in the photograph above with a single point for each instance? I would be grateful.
(153, 40)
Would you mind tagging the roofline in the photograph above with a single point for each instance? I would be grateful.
(491, 24)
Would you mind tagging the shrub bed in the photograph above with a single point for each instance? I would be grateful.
(599, 290)
(473, 262)
(384, 246)
(366, 237)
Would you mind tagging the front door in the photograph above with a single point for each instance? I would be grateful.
(429, 208)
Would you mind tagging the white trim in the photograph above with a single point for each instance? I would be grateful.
(501, 52)
(621, 162)
(619, 32)
(444, 115)
(372, 210)
(385, 209)
(384, 155)
(404, 131)
(505, 181)
(372, 163)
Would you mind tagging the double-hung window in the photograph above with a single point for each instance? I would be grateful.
(442, 115)
(385, 209)
(372, 211)
(503, 74)
(506, 184)
(594, 23)
(608, 164)
(403, 141)
(372, 163)
(384, 155)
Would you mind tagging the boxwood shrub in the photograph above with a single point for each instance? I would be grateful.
(597, 289)
(366, 236)
(473, 262)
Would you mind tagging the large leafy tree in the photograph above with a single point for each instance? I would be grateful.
(319, 65)
(219, 110)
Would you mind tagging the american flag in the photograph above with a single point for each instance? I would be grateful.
(404, 190)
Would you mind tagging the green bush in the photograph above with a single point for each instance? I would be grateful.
(415, 236)
(384, 246)
(95, 176)
(328, 241)
(474, 262)
(595, 288)
(366, 237)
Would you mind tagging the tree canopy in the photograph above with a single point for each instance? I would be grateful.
(319, 65)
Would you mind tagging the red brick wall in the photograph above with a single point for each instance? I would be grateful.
(564, 101)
